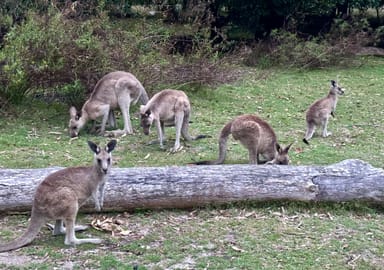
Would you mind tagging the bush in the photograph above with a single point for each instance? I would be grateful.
(291, 50)
(49, 55)
(379, 37)
(287, 49)
(45, 52)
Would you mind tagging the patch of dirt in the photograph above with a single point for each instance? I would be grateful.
(14, 259)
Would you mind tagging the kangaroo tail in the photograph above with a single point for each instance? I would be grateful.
(204, 162)
(305, 141)
(198, 137)
(185, 127)
(224, 134)
(33, 229)
(144, 96)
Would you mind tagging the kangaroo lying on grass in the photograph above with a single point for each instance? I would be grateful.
(168, 107)
(60, 195)
(254, 134)
(321, 110)
(116, 89)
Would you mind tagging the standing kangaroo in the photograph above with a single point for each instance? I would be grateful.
(254, 134)
(321, 110)
(168, 107)
(60, 195)
(116, 89)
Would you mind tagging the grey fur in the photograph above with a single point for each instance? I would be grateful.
(117, 89)
(60, 195)
(257, 136)
(320, 111)
(168, 107)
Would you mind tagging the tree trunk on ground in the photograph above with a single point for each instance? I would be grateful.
(191, 186)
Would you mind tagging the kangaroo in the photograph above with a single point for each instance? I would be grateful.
(116, 89)
(168, 107)
(321, 110)
(60, 195)
(257, 136)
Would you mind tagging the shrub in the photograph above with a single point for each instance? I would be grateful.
(378, 38)
(45, 52)
(287, 49)
(51, 55)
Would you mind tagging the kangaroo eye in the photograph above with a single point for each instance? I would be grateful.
(109, 161)
(99, 161)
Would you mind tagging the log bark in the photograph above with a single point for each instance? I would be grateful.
(191, 186)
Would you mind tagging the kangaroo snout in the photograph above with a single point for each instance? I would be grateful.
(73, 134)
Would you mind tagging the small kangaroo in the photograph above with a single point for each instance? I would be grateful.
(321, 110)
(60, 195)
(168, 107)
(116, 89)
(257, 136)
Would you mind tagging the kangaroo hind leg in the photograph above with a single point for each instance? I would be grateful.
(325, 133)
(178, 125)
(253, 155)
(70, 237)
(124, 103)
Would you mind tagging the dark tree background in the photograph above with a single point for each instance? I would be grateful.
(257, 16)
(63, 46)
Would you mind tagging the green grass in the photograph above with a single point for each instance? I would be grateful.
(35, 135)
(263, 235)
(270, 235)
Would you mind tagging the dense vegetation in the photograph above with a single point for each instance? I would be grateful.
(59, 49)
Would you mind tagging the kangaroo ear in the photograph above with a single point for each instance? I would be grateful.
(72, 112)
(110, 146)
(278, 148)
(333, 83)
(95, 149)
(286, 149)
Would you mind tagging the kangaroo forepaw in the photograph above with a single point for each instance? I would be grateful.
(175, 149)
(117, 133)
(326, 134)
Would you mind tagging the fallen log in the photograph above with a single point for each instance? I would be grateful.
(191, 186)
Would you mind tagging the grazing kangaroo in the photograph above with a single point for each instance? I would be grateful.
(60, 195)
(257, 136)
(168, 107)
(116, 89)
(321, 110)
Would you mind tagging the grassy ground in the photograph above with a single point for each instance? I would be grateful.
(251, 236)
